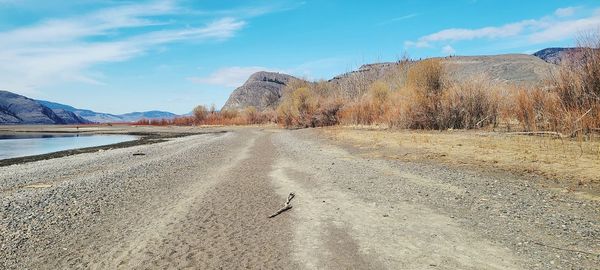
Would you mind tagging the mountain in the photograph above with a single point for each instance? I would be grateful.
(107, 117)
(135, 116)
(17, 109)
(70, 117)
(262, 90)
(554, 55)
(87, 114)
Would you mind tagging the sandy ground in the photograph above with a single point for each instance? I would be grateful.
(202, 201)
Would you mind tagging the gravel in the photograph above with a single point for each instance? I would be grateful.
(202, 201)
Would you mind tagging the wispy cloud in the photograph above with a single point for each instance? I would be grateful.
(555, 27)
(64, 49)
(459, 34)
(565, 12)
(229, 76)
(401, 18)
(254, 11)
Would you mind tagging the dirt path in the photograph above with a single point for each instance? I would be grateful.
(201, 202)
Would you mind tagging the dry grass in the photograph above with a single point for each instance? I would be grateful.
(574, 164)
(211, 117)
(306, 107)
(426, 101)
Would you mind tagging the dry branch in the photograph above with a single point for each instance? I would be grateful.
(286, 206)
(541, 133)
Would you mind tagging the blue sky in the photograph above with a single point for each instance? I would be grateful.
(121, 56)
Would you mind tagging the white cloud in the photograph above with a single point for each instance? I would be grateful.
(59, 50)
(448, 50)
(229, 76)
(552, 28)
(565, 12)
(565, 29)
(459, 34)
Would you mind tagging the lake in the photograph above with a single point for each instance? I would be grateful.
(20, 145)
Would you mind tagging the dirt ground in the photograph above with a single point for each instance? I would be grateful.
(203, 201)
(570, 165)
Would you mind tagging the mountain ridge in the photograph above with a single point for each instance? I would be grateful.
(555, 55)
(18, 109)
(100, 117)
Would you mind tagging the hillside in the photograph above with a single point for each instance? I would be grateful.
(17, 109)
(262, 90)
(520, 69)
(135, 116)
(554, 55)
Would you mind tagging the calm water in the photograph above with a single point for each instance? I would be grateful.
(21, 145)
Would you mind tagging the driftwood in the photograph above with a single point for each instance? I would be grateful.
(286, 206)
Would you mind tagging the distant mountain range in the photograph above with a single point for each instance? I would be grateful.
(17, 109)
(99, 117)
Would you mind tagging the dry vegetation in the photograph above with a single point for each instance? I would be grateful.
(419, 95)
(416, 96)
(203, 116)
(570, 165)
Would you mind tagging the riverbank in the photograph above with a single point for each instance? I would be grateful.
(203, 201)
(146, 134)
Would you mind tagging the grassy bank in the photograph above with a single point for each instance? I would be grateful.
(568, 164)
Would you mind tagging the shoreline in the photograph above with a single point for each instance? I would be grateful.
(145, 135)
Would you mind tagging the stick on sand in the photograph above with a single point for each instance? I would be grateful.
(286, 207)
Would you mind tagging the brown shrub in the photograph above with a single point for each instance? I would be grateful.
(422, 95)
(370, 108)
(297, 108)
(249, 116)
(229, 114)
(577, 85)
(200, 113)
(327, 114)
(357, 113)
(468, 104)
(426, 77)
(252, 116)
